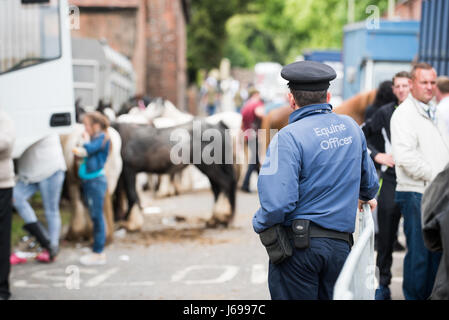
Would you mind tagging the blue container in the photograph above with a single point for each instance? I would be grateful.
(323, 55)
(434, 34)
(372, 54)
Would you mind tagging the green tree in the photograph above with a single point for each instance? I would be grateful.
(251, 31)
(206, 32)
(280, 30)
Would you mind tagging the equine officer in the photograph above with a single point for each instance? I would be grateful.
(317, 172)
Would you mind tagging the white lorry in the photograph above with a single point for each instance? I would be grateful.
(36, 80)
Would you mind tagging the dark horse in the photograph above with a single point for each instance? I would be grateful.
(147, 149)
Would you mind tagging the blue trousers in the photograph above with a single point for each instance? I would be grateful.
(50, 190)
(94, 191)
(420, 264)
(309, 274)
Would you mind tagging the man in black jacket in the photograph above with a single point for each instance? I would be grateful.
(388, 214)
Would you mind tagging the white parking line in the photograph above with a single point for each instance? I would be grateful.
(259, 274)
(95, 281)
(397, 279)
(228, 273)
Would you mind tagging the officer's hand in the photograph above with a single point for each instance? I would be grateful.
(372, 203)
(385, 159)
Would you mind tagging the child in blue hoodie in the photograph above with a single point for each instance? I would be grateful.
(94, 184)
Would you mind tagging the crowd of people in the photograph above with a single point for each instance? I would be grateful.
(408, 139)
(42, 168)
(407, 135)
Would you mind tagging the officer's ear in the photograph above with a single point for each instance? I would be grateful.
(291, 101)
(329, 96)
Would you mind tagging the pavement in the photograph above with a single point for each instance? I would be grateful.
(172, 258)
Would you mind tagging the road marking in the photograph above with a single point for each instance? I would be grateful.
(259, 274)
(228, 273)
(399, 255)
(141, 284)
(95, 281)
(25, 284)
(129, 284)
(397, 279)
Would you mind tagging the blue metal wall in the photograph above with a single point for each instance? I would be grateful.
(434, 35)
(392, 41)
(322, 55)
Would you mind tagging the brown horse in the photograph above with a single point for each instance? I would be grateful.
(354, 107)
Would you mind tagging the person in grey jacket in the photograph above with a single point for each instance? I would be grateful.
(7, 137)
(435, 229)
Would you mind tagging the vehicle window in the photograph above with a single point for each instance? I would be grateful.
(29, 34)
(386, 70)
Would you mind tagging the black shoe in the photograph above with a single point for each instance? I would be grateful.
(38, 231)
(245, 190)
(397, 246)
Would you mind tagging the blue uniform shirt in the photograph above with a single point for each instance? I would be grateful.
(320, 170)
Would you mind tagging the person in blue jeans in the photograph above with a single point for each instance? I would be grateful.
(94, 183)
(418, 281)
(41, 168)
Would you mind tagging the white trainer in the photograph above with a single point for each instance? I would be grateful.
(93, 259)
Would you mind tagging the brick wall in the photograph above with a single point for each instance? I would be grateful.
(409, 10)
(152, 33)
(106, 3)
(118, 27)
(166, 51)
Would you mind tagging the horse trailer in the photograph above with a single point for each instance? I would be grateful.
(373, 53)
(101, 73)
(36, 82)
(434, 35)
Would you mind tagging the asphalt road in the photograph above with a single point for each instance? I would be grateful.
(172, 258)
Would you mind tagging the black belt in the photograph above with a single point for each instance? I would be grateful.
(319, 232)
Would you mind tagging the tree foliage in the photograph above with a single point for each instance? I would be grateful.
(250, 31)
(206, 32)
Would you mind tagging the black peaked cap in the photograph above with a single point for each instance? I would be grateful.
(308, 75)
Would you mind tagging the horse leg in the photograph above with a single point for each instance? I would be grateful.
(108, 217)
(129, 178)
(118, 202)
(213, 221)
(223, 186)
(133, 219)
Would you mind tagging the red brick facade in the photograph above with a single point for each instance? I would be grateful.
(166, 50)
(152, 33)
(408, 9)
(106, 3)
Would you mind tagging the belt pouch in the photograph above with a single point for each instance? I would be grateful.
(276, 243)
(301, 233)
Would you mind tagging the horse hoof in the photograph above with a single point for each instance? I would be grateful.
(212, 223)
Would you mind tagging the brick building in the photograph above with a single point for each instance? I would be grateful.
(408, 9)
(151, 33)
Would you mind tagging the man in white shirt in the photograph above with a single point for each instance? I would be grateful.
(420, 146)
(442, 95)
